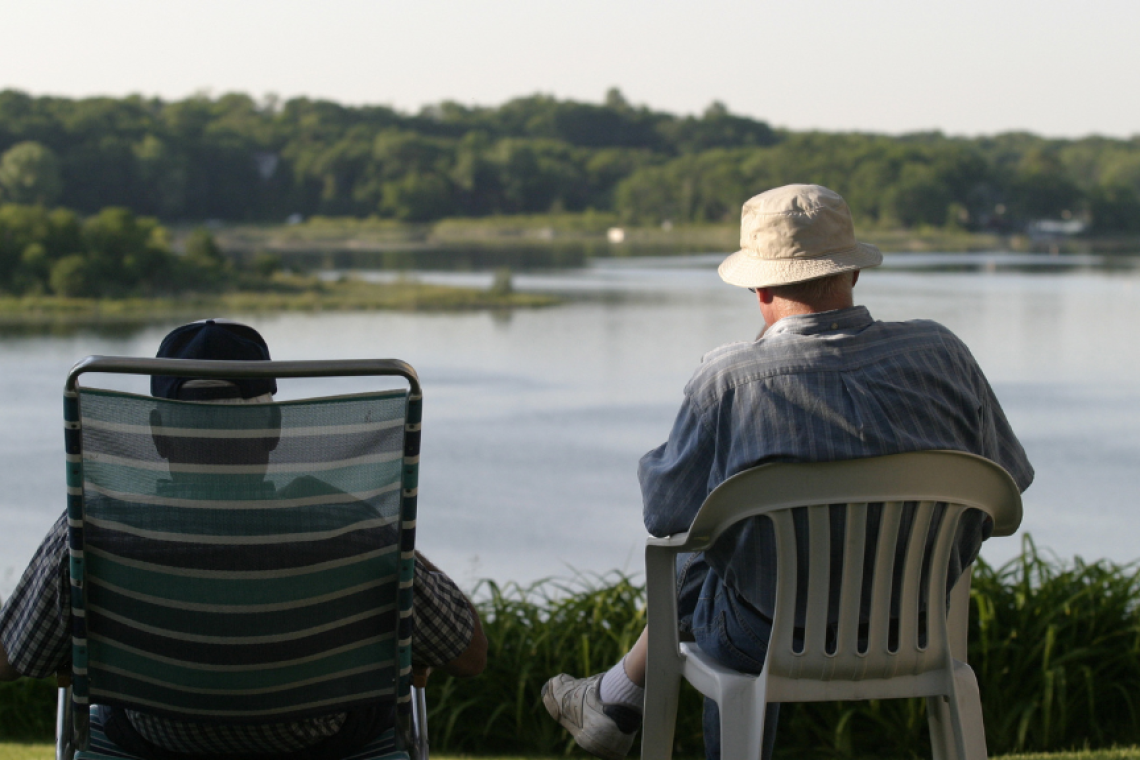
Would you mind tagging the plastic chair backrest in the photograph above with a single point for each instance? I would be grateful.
(917, 501)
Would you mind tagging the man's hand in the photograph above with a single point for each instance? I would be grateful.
(473, 659)
(420, 675)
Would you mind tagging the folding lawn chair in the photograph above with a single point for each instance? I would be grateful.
(899, 642)
(241, 563)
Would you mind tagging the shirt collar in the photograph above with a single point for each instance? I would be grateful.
(824, 321)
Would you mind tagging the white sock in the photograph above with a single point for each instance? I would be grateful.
(616, 688)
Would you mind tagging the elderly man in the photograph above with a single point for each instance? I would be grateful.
(35, 622)
(823, 382)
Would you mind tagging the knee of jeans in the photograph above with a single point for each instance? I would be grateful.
(691, 571)
(742, 652)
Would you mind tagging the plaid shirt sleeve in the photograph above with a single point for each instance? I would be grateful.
(35, 622)
(442, 624)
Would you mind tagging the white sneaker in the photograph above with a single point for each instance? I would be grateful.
(574, 702)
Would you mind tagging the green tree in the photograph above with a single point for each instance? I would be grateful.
(30, 173)
(1041, 187)
(164, 174)
(416, 197)
(74, 277)
(918, 197)
(127, 254)
(1115, 208)
(203, 251)
(699, 187)
(32, 238)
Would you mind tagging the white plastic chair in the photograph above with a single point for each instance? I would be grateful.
(805, 670)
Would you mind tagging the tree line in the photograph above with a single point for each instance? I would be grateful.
(236, 158)
(113, 253)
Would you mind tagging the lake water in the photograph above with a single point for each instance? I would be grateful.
(534, 420)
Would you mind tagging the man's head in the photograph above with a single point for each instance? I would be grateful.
(793, 234)
(219, 339)
(216, 339)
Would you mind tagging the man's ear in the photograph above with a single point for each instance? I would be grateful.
(161, 442)
(764, 296)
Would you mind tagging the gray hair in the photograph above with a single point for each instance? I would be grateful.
(815, 291)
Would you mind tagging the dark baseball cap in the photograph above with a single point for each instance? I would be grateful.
(219, 339)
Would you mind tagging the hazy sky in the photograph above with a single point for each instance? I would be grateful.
(962, 66)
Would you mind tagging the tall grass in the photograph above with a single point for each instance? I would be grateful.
(27, 710)
(1056, 648)
(1055, 645)
(580, 626)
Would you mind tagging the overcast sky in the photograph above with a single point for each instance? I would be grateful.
(962, 66)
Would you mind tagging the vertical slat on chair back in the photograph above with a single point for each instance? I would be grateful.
(897, 631)
(245, 562)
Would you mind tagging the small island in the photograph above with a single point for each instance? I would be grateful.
(56, 267)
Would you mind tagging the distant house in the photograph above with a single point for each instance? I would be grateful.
(1054, 229)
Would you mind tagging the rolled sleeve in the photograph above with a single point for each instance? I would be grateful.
(35, 621)
(442, 623)
(675, 476)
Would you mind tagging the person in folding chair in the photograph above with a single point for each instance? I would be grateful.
(822, 382)
(35, 624)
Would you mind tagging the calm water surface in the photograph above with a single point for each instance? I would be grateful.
(534, 420)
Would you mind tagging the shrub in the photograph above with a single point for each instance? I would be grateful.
(1055, 646)
(27, 710)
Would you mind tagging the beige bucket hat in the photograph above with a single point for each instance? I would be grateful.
(795, 233)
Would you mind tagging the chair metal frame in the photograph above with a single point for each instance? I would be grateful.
(72, 723)
(935, 669)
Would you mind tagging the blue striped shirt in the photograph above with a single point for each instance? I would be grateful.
(819, 387)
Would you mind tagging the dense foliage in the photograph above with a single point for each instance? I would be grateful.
(234, 158)
(111, 254)
(1055, 646)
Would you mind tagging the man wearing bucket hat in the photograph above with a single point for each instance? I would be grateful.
(35, 620)
(823, 381)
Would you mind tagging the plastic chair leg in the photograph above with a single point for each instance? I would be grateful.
(938, 718)
(966, 714)
(742, 716)
(659, 718)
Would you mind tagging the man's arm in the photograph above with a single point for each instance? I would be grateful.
(472, 660)
(675, 476)
(1001, 444)
(35, 621)
(437, 625)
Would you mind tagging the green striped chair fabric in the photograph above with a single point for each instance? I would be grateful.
(241, 563)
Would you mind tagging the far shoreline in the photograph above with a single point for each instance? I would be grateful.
(305, 295)
(601, 234)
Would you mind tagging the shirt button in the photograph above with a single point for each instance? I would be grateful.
(834, 325)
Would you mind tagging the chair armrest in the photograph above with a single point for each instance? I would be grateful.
(678, 542)
(661, 598)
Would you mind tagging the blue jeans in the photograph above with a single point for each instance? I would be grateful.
(727, 630)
